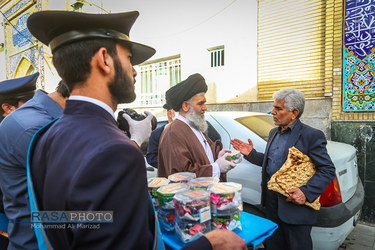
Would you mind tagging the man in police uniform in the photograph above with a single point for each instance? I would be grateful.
(83, 162)
(16, 132)
(15, 92)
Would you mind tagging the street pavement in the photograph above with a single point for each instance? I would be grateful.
(361, 238)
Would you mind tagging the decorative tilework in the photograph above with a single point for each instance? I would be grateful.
(20, 34)
(31, 54)
(359, 56)
(16, 7)
(18, 40)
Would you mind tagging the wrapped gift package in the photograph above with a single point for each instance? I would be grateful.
(193, 214)
(182, 177)
(153, 184)
(193, 205)
(166, 218)
(188, 231)
(230, 221)
(166, 212)
(225, 197)
(234, 156)
(202, 183)
(166, 193)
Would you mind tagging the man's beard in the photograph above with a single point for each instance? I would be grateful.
(121, 86)
(196, 121)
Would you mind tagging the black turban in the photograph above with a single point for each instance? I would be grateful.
(185, 90)
(167, 107)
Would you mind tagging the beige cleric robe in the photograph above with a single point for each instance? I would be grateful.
(181, 151)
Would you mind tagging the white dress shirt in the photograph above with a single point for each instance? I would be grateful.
(205, 145)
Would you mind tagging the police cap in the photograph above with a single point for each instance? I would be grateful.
(56, 28)
(19, 88)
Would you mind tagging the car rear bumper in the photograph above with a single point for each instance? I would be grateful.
(340, 213)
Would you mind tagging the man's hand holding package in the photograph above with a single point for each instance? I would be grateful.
(223, 151)
(139, 130)
(224, 164)
(296, 196)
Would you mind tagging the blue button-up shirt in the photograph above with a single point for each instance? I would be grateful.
(16, 131)
(277, 148)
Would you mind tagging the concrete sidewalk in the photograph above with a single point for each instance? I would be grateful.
(362, 238)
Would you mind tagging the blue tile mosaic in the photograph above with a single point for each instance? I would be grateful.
(359, 56)
(16, 7)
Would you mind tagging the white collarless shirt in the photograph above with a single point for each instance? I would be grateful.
(205, 145)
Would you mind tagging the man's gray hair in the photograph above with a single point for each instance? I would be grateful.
(293, 98)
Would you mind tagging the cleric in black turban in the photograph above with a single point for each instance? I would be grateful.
(185, 90)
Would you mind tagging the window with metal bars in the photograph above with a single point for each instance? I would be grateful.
(157, 76)
(217, 56)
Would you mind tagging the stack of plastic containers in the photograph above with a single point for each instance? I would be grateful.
(153, 184)
(193, 216)
(226, 205)
(166, 212)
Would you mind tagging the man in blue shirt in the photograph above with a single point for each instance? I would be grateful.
(16, 132)
(295, 220)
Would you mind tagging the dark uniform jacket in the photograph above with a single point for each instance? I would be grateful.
(85, 163)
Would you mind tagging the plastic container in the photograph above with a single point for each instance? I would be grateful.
(234, 156)
(189, 231)
(166, 193)
(202, 183)
(193, 205)
(182, 177)
(153, 184)
(230, 221)
(225, 197)
(166, 218)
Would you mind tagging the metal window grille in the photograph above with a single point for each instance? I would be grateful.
(217, 57)
(157, 78)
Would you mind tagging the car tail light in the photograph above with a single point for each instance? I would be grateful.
(332, 195)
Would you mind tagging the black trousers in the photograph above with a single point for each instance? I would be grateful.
(287, 236)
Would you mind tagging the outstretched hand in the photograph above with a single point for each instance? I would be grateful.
(241, 146)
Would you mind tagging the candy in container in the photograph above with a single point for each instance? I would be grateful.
(189, 231)
(234, 156)
(225, 197)
(202, 183)
(165, 194)
(193, 205)
(153, 184)
(230, 221)
(166, 218)
(183, 177)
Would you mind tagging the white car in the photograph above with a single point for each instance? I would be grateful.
(341, 202)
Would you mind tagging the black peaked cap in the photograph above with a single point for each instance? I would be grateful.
(185, 90)
(56, 28)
